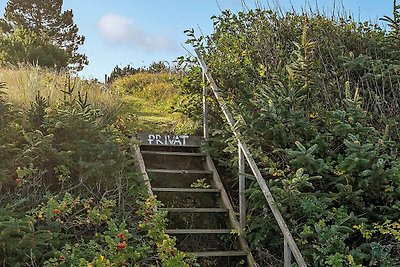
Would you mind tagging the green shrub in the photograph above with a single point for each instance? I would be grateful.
(313, 98)
(24, 46)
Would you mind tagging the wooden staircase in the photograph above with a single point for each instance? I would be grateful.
(201, 217)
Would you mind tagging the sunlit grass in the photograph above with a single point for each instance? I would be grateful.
(150, 96)
(24, 82)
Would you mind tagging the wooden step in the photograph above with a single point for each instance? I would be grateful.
(198, 231)
(229, 253)
(186, 190)
(167, 153)
(195, 210)
(179, 171)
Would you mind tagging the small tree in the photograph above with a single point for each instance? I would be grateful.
(24, 46)
(46, 17)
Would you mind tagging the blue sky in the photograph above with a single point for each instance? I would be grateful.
(138, 32)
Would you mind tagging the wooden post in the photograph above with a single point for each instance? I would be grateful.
(142, 167)
(205, 109)
(242, 188)
(287, 255)
(260, 180)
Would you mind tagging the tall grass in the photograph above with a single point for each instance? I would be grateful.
(158, 86)
(151, 97)
(24, 82)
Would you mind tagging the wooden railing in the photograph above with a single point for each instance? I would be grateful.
(290, 247)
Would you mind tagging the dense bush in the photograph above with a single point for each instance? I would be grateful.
(316, 98)
(69, 189)
(24, 46)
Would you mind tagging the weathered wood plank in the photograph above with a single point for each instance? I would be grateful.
(195, 210)
(197, 231)
(287, 255)
(205, 110)
(186, 190)
(169, 140)
(179, 171)
(227, 253)
(166, 153)
(142, 167)
(242, 188)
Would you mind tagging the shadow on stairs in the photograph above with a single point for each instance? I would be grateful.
(200, 214)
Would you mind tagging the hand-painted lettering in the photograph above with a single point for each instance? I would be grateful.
(158, 140)
(177, 141)
(167, 140)
(151, 139)
(184, 137)
(171, 141)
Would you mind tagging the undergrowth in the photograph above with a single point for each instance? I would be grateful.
(317, 100)
(70, 194)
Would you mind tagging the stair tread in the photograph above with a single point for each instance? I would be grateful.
(201, 210)
(226, 253)
(173, 153)
(180, 171)
(198, 231)
(186, 190)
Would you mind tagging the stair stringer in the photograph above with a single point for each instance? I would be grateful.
(142, 167)
(234, 223)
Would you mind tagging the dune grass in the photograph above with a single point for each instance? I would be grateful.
(143, 100)
(25, 81)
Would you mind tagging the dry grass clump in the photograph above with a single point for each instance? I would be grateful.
(23, 83)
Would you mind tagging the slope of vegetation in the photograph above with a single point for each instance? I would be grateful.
(69, 191)
(150, 97)
(317, 99)
(70, 194)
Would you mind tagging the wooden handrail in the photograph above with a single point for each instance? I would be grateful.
(261, 181)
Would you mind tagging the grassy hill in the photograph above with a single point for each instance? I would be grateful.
(150, 97)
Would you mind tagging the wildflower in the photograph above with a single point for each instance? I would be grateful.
(122, 236)
(148, 203)
(56, 211)
(121, 246)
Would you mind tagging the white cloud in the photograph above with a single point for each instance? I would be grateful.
(124, 31)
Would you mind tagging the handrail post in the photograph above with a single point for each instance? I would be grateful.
(242, 188)
(205, 108)
(287, 254)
